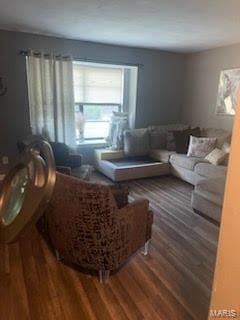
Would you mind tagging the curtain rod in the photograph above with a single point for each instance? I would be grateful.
(38, 53)
(109, 62)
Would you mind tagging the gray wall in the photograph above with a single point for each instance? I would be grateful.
(201, 86)
(160, 87)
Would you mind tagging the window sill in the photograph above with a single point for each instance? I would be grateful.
(96, 143)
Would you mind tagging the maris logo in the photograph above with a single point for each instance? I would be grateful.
(224, 314)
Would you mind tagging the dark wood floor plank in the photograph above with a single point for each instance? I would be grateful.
(64, 289)
(112, 301)
(163, 301)
(196, 271)
(38, 305)
(127, 302)
(18, 289)
(99, 307)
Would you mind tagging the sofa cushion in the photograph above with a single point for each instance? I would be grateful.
(216, 157)
(208, 170)
(221, 135)
(136, 142)
(211, 189)
(167, 132)
(108, 154)
(162, 155)
(182, 160)
(157, 139)
(200, 147)
(170, 140)
(169, 127)
(182, 138)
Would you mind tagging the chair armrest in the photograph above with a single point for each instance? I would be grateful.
(74, 160)
(140, 204)
(127, 234)
(64, 170)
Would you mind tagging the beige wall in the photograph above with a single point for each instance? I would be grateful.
(226, 287)
(201, 85)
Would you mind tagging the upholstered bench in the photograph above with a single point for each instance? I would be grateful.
(117, 168)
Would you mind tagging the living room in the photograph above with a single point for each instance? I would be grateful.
(145, 111)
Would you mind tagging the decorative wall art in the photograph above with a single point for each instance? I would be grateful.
(228, 90)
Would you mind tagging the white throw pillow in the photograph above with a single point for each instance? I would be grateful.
(200, 147)
(216, 157)
(226, 147)
(118, 123)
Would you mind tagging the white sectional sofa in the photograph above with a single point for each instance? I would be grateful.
(208, 179)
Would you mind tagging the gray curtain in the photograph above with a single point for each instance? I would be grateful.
(51, 97)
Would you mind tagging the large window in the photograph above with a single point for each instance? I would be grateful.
(98, 91)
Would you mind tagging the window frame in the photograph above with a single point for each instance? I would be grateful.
(119, 105)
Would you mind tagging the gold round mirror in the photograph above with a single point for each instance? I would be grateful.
(27, 189)
(15, 196)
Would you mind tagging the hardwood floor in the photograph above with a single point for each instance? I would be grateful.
(172, 283)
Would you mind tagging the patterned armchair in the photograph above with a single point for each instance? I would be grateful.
(65, 160)
(88, 229)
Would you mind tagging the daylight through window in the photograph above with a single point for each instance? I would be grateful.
(98, 91)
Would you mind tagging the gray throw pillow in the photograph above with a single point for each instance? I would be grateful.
(170, 140)
(158, 140)
(136, 142)
(182, 139)
(171, 146)
(161, 136)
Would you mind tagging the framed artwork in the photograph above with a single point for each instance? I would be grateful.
(228, 90)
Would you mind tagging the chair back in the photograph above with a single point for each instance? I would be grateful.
(81, 220)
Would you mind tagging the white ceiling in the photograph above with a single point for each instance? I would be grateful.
(174, 25)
